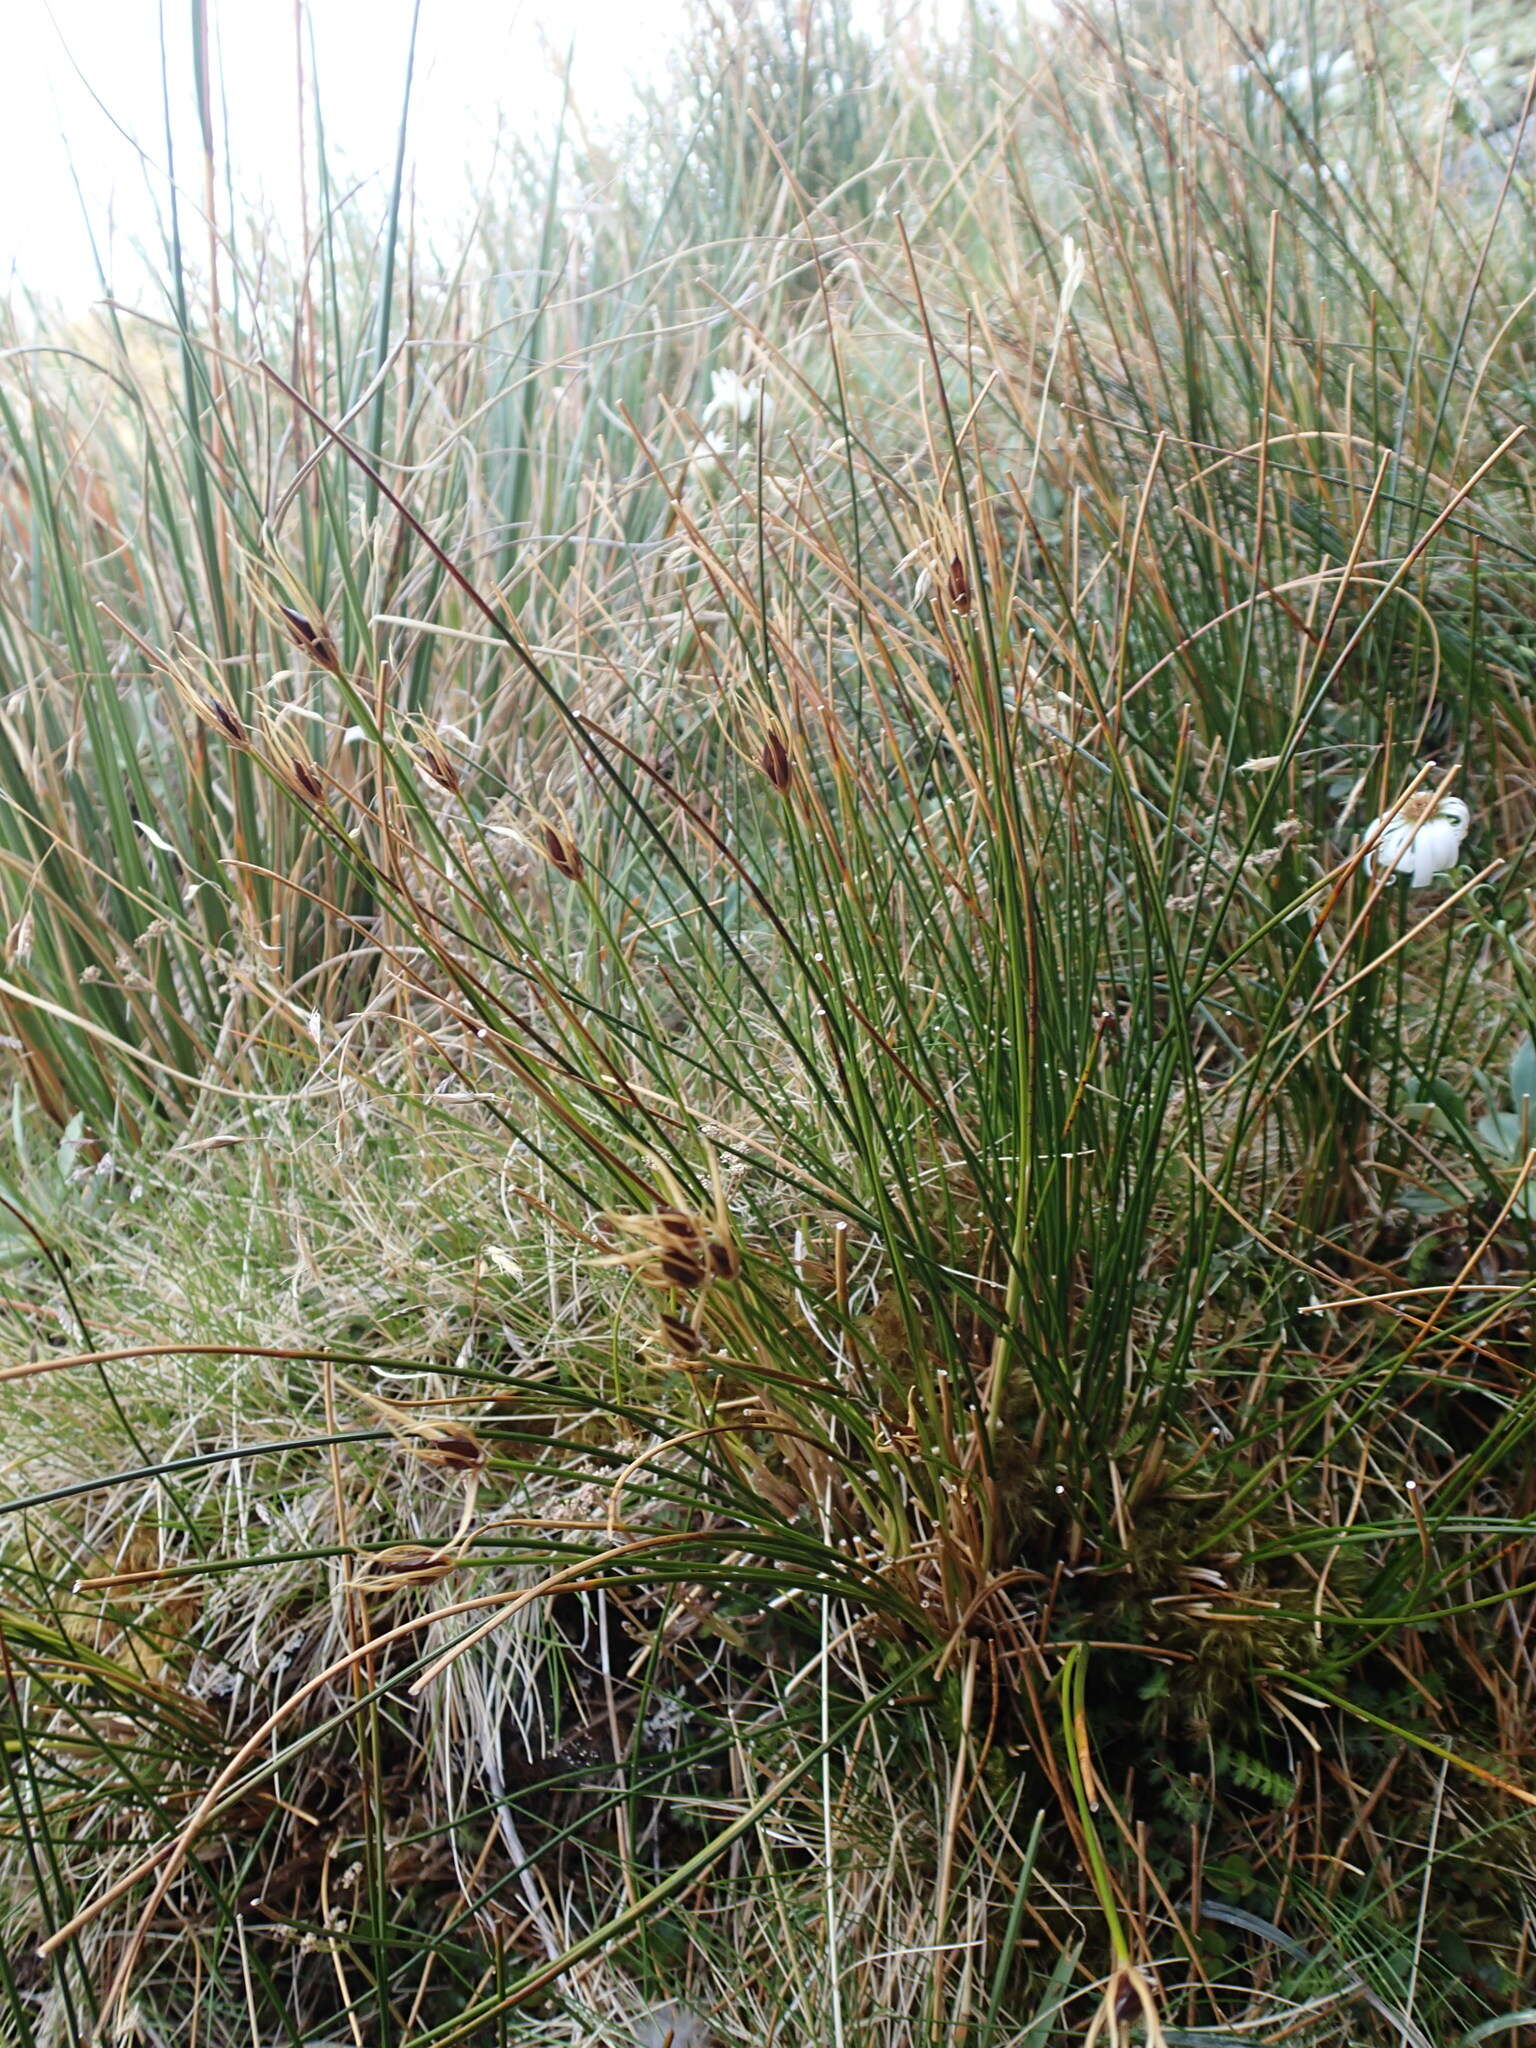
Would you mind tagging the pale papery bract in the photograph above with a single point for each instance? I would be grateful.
(1419, 847)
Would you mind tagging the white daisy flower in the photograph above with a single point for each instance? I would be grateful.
(736, 400)
(1421, 838)
(709, 452)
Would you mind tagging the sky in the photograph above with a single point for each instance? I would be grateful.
(84, 127)
(84, 133)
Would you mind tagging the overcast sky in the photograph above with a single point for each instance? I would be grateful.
(84, 107)
(83, 132)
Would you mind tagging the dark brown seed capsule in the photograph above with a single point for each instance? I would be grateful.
(959, 588)
(680, 1337)
(440, 767)
(228, 722)
(405, 1561)
(316, 645)
(680, 1270)
(457, 1449)
(774, 762)
(562, 854)
(722, 1258)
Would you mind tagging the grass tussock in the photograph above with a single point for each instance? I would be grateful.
(762, 1282)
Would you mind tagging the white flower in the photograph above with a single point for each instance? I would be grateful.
(738, 400)
(709, 452)
(1421, 838)
(1336, 75)
(671, 2026)
(703, 469)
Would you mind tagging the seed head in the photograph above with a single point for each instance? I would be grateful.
(561, 853)
(434, 1442)
(290, 759)
(674, 1246)
(404, 1564)
(679, 1337)
(722, 1258)
(227, 720)
(453, 1447)
(676, 1228)
(683, 1269)
(775, 763)
(315, 642)
(429, 753)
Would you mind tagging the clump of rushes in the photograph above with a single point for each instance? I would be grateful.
(936, 1433)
